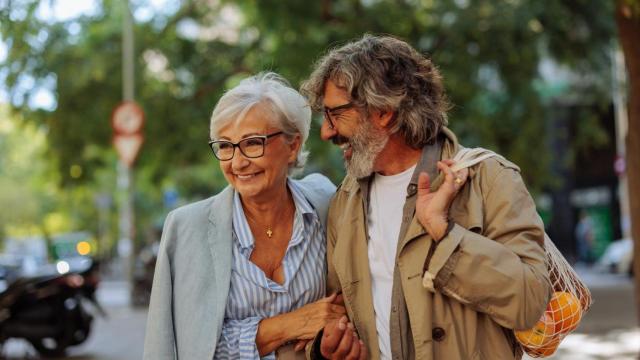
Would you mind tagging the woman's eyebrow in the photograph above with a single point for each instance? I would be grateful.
(242, 137)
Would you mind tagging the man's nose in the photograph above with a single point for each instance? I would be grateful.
(327, 131)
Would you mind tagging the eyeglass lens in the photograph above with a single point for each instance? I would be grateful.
(250, 147)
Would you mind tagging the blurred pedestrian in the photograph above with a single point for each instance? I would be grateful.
(584, 233)
(427, 271)
(242, 274)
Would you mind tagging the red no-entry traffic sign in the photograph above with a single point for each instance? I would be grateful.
(127, 118)
(127, 121)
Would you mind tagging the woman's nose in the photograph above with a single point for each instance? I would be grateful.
(239, 161)
(327, 131)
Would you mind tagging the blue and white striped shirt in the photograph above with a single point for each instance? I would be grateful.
(253, 296)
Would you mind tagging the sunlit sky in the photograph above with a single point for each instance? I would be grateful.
(65, 10)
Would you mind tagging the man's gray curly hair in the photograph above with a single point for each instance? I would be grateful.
(384, 73)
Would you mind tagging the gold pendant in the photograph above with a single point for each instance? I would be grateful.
(269, 233)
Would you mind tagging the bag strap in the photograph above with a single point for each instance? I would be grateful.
(467, 157)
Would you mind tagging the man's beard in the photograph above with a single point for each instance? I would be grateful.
(366, 144)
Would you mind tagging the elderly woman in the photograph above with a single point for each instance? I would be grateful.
(242, 274)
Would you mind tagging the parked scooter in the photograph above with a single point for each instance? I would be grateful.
(52, 311)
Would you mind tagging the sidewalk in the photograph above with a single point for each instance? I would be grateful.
(608, 331)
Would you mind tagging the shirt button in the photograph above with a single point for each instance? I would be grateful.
(438, 333)
(412, 189)
(394, 308)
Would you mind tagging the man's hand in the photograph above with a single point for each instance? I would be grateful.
(432, 208)
(340, 341)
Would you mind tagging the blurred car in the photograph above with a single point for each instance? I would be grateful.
(13, 266)
(144, 267)
(10, 269)
(618, 257)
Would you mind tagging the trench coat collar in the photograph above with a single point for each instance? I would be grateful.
(450, 147)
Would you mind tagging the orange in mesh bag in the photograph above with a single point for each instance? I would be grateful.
(571, 297)
(570, 300)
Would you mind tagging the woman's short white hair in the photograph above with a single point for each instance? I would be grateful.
(287, 109)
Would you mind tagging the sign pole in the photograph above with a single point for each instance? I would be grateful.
(125, 183)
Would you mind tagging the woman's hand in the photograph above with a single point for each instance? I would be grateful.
(432, 208)
(308, 320)
(301, 324)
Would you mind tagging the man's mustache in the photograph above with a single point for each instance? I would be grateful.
(339, 139)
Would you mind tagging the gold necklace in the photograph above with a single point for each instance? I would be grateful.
(269, 231)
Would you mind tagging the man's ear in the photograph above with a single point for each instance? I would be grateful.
(385, 118)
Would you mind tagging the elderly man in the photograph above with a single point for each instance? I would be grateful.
(431, 263)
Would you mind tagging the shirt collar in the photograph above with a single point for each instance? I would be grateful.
(241, 226)
(302, 204)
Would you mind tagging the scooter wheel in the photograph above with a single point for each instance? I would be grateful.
(50, 347)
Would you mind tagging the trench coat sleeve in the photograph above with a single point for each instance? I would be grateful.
(500, 269)
(160, 337)
(333, 283)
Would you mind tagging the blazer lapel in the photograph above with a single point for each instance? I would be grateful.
(219, 237)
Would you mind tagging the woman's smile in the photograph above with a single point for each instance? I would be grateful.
(248, 176)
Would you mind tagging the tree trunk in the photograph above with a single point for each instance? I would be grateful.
(628, 22)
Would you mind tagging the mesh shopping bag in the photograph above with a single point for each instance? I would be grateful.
(571, 298)
(570, 301)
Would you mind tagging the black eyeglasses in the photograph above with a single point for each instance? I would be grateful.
(329, 113)
(251, 147)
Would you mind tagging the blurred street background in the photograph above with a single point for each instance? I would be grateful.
(85, 179)
(609, 331)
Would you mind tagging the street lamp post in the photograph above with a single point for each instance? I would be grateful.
(621, 121)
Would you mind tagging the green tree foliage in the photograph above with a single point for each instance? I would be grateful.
(489, 51)
(23, 190)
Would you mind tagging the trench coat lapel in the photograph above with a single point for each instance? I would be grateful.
(352, 267)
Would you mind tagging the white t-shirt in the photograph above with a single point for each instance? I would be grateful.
(386, 201)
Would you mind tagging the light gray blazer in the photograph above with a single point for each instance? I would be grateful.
(193, 272)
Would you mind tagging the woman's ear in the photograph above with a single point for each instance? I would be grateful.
(294, 146)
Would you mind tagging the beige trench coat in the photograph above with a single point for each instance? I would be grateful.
(489, 271)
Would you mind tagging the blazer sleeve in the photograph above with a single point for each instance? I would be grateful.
(500, 270)
(160, 336)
